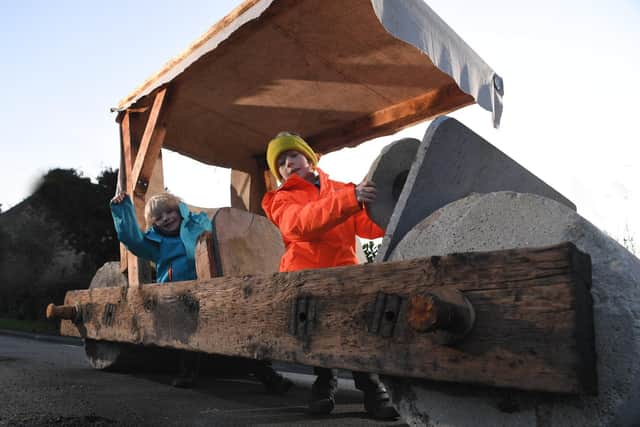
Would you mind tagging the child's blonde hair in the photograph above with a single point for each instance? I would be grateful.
(159, 203)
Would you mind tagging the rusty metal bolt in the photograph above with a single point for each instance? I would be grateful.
(447, 313)
(428, 313)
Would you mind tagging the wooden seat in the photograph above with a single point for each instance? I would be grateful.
(241, 243)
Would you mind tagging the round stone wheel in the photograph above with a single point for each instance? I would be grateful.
(105, 355)
(389, 172)
(123, 357)
(505, 220)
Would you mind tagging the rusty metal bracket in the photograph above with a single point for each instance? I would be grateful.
(387, 310)
(302, 318)
(109, 314)
(446, 313)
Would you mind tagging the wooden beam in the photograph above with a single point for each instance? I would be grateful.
(247, 188)
(391, 119)
(533, 318)
(270, 181)
(149, 149)
(127, 152)
(205, 258)
(138, 270)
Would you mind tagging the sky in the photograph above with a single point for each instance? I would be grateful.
(570, 71)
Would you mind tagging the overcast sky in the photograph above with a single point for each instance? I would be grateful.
(570, 69)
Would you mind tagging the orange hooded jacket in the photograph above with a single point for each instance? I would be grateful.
(318, 226)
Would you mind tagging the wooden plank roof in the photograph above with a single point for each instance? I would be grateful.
(326, 69)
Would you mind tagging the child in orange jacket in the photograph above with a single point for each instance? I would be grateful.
(319, 219)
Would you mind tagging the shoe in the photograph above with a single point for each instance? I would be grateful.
(182, 382)
(188, 367)
(323, 393)
(273, 382)
(278, 384)
(378, 405)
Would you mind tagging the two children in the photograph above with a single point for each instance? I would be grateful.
(319, 219)
(170, 242)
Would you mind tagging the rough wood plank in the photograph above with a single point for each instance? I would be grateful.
(150, 146)
(128, 157)
(532, 311)
(247, 189)
(137, 271)
(245, 243)
(205, 259)
(392, 119)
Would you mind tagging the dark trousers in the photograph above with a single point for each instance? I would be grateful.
(365, 381)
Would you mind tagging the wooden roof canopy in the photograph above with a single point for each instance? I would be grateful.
(326, 69)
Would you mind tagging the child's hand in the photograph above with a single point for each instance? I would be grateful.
(366, 191)
(118, 198)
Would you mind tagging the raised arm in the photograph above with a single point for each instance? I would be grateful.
(128, 230)
(306, 221)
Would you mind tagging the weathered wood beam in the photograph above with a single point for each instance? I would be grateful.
(533, 318)
(248, 187)
(149, 149)
(127, 152)
(391, 119)
(270, 181)
(138, 168)
(204, 257)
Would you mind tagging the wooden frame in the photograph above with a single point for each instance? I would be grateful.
(533, 318)
(142, 170)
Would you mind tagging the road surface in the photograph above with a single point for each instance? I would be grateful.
(49, 383)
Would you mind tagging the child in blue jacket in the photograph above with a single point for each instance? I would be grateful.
(170, 242)
(171, 237)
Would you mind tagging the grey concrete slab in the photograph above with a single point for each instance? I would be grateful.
(451, 162)
(389, 172)
(504, 220)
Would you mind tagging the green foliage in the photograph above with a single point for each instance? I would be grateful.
(370, 250)
(82, 208)
(37, 326)
(64, 204)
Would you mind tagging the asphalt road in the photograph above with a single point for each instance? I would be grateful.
(45, 383)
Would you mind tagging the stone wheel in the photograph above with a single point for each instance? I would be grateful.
(123, 357)
(106, 355)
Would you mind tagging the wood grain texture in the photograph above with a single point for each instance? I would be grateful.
(533, 328)
(392, 119)
(352, 82)
(245, 243)
(247, 189)
(205, 259)
(150, 146)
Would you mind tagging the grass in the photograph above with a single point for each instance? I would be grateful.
(33, 326)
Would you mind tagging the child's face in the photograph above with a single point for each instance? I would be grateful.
(168, 221)
(291, 162)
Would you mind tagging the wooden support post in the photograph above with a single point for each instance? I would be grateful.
(247, 189)
(205, 260)
(144, 176)
(149, 149)
(533, 318)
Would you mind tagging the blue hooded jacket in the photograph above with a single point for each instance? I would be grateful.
(174, 256)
